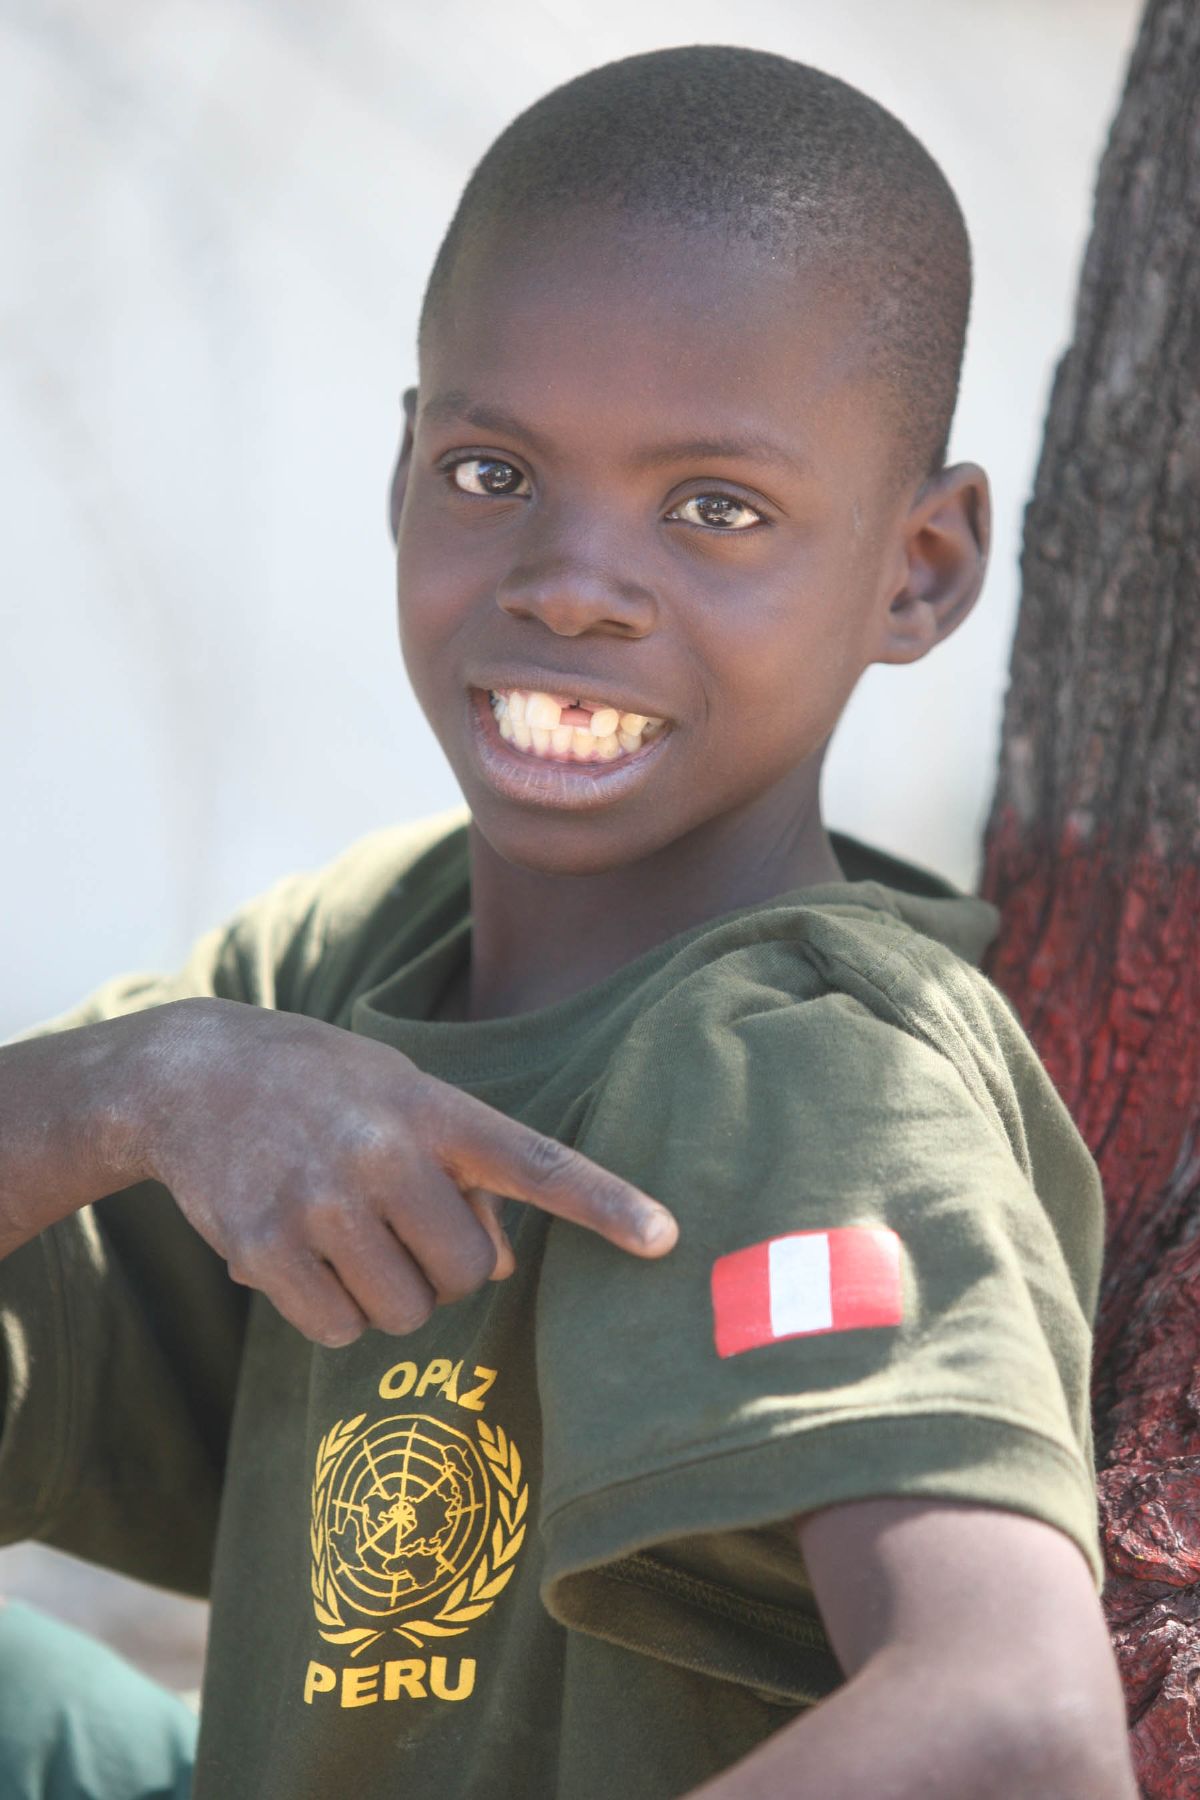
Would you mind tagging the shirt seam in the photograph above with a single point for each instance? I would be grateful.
(890, 963)
(695, 1455)
(886, 971)
(640, 1571)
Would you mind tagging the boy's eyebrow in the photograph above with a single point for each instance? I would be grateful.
(454, 404)
(761, 449)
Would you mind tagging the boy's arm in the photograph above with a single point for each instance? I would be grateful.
(68, 1120)
(977, 1659)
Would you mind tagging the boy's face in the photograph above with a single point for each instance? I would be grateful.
(675, 482)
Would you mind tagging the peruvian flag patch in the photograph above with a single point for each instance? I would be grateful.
(807, 1282)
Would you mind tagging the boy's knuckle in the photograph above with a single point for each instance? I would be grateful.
(254, 1251)
(361, 1143)
(547, 1162)
(323, 1211)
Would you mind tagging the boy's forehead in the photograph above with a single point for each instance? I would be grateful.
(630, 321)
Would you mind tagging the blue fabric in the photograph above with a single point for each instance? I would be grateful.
(78, 1722)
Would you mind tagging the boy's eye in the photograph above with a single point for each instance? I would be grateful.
(718, 511)
(486, 475)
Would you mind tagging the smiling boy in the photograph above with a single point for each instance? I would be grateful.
(801, 1503)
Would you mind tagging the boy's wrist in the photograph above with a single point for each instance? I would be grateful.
(77, 1114)
(148, 1065)
(124, 1082)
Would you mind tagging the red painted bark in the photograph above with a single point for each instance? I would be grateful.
(1092, 852)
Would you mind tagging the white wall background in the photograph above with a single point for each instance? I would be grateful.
(216, 218)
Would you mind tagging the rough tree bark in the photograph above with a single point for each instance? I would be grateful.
(1092, 851)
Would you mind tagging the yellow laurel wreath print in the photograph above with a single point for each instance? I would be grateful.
(475, 1594)
(325, 1599)
(472, 1596)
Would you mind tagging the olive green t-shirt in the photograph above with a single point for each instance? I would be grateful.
(541, 1547)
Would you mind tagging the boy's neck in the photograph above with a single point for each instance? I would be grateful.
(535, 941)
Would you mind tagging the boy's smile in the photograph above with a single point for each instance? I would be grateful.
(650, 466)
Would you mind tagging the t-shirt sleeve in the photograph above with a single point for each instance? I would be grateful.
(868, 1298)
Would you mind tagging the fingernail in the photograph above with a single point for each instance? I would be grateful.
(657, 1227)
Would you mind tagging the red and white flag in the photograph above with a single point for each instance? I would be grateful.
(807, 1282)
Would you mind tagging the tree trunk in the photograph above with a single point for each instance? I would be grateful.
(1092, 852)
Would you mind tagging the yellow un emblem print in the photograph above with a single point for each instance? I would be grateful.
(415, 1525)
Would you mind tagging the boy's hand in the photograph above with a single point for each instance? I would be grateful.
(353, 1189)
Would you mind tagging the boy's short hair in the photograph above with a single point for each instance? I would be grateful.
(767, 149)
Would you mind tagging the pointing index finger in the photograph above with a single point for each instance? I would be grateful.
(482, 1147)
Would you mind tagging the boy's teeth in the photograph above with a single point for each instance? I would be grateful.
(533, 721)
(544, 711)
(541, 710)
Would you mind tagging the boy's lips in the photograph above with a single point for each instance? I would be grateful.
(579, 787)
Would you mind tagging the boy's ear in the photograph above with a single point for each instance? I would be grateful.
(403, 459)
(944, 556)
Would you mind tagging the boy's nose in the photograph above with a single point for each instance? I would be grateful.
(566, 591)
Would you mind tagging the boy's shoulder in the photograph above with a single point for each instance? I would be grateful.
(903, 942)
(878, 978)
